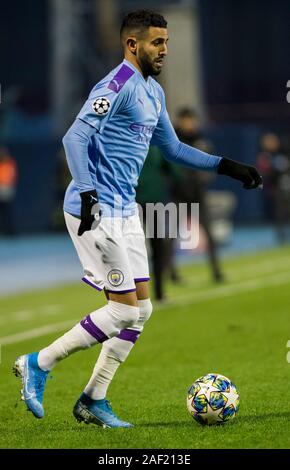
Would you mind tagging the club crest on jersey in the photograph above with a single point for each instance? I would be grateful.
(101, 106)
(158, 106)
(115, 277)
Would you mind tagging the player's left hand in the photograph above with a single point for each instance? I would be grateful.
(90, 211)
(245, 173)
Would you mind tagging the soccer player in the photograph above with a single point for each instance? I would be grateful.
(105, 148)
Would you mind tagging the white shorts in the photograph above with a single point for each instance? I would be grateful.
(113, 255)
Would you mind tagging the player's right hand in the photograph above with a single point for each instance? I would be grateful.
(90, 211)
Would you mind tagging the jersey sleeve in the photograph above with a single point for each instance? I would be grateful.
(164, 132)
(174, 150)
(103, 102)
(76, 142)
(105, 99)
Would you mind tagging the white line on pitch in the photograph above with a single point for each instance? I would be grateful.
(234, 273)
(226, 291)
(220, 292)
(37, 332)
(23, 315)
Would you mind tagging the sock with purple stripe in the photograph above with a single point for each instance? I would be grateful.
(99, 326)
(114, 352)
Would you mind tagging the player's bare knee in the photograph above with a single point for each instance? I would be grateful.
(127, 299)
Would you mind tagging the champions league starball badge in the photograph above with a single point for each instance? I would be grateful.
(101, 106)
(115, 277)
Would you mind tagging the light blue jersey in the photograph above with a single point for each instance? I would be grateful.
(107, 144)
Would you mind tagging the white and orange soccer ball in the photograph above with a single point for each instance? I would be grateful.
(213, 399)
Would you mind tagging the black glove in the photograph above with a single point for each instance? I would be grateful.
(89, 200)
(244, 173)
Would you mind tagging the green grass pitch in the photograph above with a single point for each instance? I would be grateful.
(239, 329)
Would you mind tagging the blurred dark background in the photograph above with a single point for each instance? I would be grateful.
(53, 51)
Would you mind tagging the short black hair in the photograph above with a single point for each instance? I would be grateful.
(140, 20)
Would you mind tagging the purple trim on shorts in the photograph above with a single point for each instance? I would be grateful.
(129, 335)
(142, 279)
(94, 331)
(120, 291)
(121, 77)
(91, 284)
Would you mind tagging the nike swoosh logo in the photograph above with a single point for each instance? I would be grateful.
(94, 199)
(28, 395)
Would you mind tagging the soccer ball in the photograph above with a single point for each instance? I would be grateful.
(213, 399)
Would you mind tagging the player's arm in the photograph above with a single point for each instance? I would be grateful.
(101, 104)
(76, 142)
(176, 151)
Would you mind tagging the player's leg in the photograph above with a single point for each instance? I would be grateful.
(96, 327)
(116, 350)
(93, 407)
(119, 281)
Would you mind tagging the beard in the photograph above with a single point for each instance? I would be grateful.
(147, 64)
